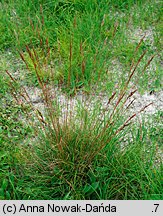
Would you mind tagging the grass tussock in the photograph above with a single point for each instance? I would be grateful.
(81, 151)
(74, 157)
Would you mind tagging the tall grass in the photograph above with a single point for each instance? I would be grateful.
(82, 156)
(80, 153)
(95, 31)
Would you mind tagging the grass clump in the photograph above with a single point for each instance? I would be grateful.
(84, 37)
(82, 161)
(79, 151)
(82, 154)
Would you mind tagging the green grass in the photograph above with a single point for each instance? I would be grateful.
(68, 170)
(82, 35)
(89, 47)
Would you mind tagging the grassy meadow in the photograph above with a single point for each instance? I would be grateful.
(93, 48)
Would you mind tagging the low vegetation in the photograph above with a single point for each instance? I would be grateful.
(85, 151)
